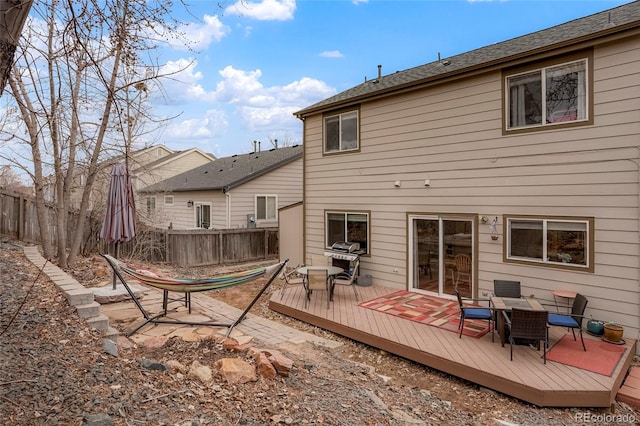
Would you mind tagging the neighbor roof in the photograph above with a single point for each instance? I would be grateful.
(228, 172)
(598, 25)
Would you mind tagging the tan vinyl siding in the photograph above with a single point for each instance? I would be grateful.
(452, 135)
(284, 182)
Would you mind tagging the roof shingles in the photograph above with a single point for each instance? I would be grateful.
(228, 172)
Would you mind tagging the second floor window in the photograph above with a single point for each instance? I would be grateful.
(547, 96)
(266, 207)
(341, 132)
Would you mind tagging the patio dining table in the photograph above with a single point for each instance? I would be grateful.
(508, 303)
(331, 272)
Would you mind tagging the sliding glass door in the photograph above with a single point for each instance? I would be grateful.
(441, 255)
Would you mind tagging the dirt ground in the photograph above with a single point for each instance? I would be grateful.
(54, 370)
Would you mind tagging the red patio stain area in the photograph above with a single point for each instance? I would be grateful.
(600, 357)
(429, 310)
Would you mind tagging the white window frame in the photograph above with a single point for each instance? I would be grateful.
(266, 218)
(197, 206)
(545, 223)
(341, 118)
(571, 114)
(168, 200)
(346, 214)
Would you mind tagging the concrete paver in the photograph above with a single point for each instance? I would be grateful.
(203, 309)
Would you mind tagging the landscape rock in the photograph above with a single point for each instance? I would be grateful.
(235, 370)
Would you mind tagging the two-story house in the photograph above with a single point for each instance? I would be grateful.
(523, 156)
(240, 191)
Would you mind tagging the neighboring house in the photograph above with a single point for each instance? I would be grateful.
(148, 166)
(523, 155)
(240, 191)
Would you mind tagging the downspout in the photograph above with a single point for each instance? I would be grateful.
(227, 195)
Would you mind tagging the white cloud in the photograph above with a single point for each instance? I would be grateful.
(332, 54)
(265, 10)
(181, 83)
(238, 86)
(200, 35)
(357, 2)
(214, 123)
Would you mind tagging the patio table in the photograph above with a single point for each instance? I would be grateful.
(506, 304)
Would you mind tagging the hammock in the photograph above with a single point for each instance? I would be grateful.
(188, 286)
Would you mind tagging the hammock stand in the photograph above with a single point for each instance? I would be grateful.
(188, 286)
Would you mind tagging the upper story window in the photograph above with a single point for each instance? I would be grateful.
(266, 207)
(347, 226)
(547, 96)
(341, 132)
(559, 242)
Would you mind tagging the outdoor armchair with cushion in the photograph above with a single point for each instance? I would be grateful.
(473, 312)
(572, 320)
(529, 325)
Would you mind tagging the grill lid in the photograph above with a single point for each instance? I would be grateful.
(345, 246)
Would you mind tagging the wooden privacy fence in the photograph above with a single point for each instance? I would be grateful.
(18, 220)
(221, 246)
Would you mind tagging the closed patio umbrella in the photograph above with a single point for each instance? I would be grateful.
(119, 224)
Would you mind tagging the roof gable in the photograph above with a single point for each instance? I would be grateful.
(228, 172)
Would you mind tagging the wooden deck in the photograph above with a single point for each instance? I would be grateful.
(477, 360)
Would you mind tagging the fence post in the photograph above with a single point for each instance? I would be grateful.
(21, 218)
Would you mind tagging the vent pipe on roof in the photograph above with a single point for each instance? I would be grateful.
(259, 149)
(379, 71)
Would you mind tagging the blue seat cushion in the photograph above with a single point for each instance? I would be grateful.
(563, 321)
(478, 313)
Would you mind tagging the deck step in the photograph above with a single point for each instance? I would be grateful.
(629, 393)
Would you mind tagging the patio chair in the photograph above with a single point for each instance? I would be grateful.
(529, 325)
(291, 277)
(506, 288)
(347, 279)
(473, 312)
(572, 320)
(317, 280)
(462, 269)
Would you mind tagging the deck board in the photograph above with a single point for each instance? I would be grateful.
(477, 360)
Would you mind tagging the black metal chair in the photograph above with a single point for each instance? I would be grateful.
(528, 325)
(506, 288)
(473, 312)
(572, 320)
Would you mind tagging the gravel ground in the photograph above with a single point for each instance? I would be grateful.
(54, 370)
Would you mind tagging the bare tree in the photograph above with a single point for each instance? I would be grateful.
(80, 88)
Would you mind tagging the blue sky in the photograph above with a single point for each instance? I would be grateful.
(257, 62)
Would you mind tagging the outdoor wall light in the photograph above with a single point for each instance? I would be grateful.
(190, 203)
